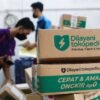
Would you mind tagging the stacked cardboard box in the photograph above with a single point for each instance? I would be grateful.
(72, 21)
(68, 45)
(63, 57)
(67, 78)
(92, 95)
(33, 96)
(60, 97)
(57, 97)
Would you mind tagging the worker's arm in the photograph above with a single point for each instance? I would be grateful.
(29, 45)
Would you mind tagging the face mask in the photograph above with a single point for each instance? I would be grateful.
(21, 37)
(35, 16)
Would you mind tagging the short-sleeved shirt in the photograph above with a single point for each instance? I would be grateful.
(7, 44)
(43, 23)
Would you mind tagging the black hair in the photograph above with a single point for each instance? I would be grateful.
(38, 5)
(25, 23)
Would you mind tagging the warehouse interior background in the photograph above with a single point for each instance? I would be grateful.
(53, 10)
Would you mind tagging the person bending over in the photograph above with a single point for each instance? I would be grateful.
(7, 43)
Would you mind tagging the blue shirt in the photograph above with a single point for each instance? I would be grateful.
(43, 23)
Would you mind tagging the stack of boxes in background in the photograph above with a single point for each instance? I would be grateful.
(70, 21)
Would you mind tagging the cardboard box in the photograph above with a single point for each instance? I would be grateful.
(36, 96)
(33, 97)
(92, 95)
(28, 76)
(66, 78)
(72, 21)
(65, 97)
(70, 97)
(68, 45)
(11, 90)
(66, 28)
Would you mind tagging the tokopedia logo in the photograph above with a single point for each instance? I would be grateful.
(62, 43)
(63, 70)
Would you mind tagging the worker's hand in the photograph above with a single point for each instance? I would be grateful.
(26, 44)
(31, 46)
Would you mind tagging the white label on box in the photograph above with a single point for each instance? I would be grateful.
(74, 21)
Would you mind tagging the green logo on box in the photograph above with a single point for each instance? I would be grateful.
(61, 42)
(66, 22)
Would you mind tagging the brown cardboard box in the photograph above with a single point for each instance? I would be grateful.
(66, 28)
(65, 97)
(70, 45)
(11, 90)
(81, 22)
(70, 97)
(72, 21)
(58, 97)
(93, 95)
(33, 97)
(55, 79)
(28, 76)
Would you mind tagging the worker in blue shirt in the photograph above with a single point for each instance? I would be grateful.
(42, 23)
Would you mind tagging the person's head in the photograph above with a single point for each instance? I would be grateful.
(37, 8)
(25, 27)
